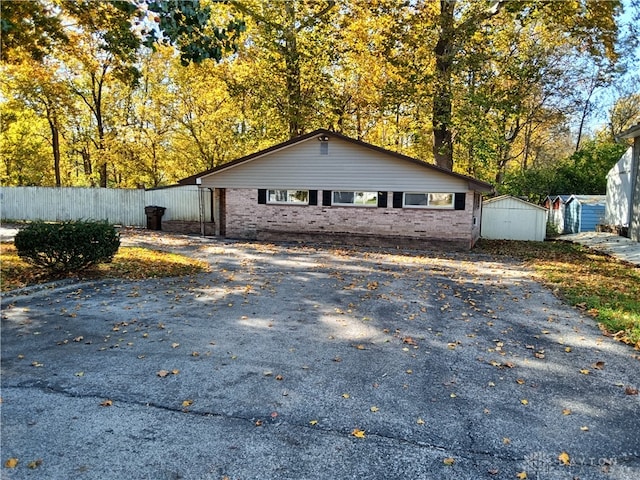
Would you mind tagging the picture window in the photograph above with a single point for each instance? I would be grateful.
(295, 197)
(428, 200)
(360, 199)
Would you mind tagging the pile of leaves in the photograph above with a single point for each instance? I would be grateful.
(603, 287)
(130, 263)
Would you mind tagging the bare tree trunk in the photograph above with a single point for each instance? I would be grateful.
(52, 119)
(292, 62)
(586, 110)
(442, 138)
(86, 163)
(55, 145)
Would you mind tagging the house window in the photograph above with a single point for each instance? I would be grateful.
(428, 200)
(360, 199)
(297, 197)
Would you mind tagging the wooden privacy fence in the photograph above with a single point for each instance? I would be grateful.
(118, 206)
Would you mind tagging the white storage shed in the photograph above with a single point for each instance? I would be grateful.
(509, 218)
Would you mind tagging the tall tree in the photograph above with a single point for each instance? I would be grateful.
(625, 112)
(103, 49)
(455, 27)
(28, 30)
(40, 90)
(187, 26)
(589, 26)
(289, 32)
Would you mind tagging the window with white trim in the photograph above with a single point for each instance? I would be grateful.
(428, 200)
(359, 199)
(296, 197)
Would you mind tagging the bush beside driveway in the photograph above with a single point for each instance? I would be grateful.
(302, 362)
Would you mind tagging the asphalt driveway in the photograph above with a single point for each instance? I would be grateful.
(298, 362)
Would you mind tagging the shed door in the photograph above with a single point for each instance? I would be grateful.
(572, 218)
(527, 224)
(514, 224)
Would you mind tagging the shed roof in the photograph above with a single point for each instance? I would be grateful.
(589, 199)
(553, 198)
(511, 198)
(474, 184)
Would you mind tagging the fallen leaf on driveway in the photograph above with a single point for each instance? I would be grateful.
(598, 365)
(34, 464)
(358, 433)
(631, 391)
(584, 371)
(521, 475)
(566, 411)
(106, 403)
(524, 401)
(187, 403)
(175, 345)
(374, 409)
(449, 461)
(564, 458)
(313, 422)
(11, 463)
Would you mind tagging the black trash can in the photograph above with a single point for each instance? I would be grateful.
(154, 217)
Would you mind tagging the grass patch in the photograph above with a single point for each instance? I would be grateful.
(132, 263)
(606, 288)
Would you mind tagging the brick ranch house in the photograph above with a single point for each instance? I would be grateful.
(326, 187)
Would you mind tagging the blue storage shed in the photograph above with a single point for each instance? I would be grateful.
(584, 212)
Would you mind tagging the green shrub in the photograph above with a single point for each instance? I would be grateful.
(552, 230)
(68, 246)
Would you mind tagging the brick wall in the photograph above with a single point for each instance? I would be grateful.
(184, 226)
(245, 218)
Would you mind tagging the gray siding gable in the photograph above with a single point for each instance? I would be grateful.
(346, 165)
